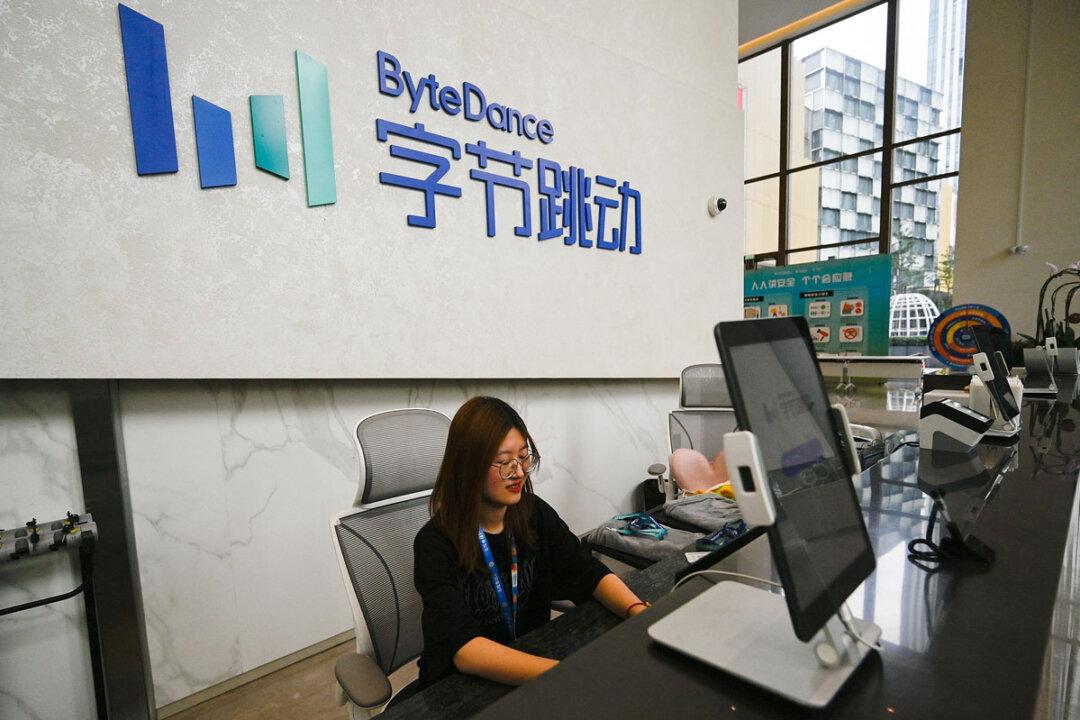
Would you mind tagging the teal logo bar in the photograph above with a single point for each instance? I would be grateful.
(315, 132)
(268, 134)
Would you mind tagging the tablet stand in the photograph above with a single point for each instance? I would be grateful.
(747, 631)
(982, 400)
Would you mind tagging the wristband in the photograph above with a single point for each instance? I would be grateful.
(626, 613)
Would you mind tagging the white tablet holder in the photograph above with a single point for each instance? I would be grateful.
(981, 400)
(755, 641)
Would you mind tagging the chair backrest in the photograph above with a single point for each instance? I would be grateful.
(704, 386)
(375, 548)
(701, 430)
(400, 452)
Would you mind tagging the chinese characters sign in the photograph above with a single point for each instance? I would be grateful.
(845, 302)
(597, 211)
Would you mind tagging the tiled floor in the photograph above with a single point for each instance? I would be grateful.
(303, 690)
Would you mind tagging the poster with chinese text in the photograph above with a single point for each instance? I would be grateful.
(845, 302)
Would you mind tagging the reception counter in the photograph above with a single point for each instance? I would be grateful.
(963, 637)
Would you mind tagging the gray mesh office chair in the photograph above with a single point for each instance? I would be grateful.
(704, 386)
(400, 454)
(705, 413)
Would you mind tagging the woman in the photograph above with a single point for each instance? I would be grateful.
(484, 516)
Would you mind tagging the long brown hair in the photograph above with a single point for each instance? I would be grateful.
(476, 432)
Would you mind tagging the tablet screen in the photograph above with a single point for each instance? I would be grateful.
(819, 538)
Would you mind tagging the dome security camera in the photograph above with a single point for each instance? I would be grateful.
(716, 205)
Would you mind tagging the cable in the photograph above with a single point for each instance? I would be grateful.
(934, 554)
(43, 601)
(725, 572)
(845, 619)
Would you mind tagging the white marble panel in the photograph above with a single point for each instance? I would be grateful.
(289, 464)
(44, 659)
(233, 483)
(176, 480)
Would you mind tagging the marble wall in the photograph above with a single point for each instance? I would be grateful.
(44, 659)
(233, 483)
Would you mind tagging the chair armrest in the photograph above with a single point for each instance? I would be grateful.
(364, 682)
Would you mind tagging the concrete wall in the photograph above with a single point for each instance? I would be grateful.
(153, 277)
(1020, 158)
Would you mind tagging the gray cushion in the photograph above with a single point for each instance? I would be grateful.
(362, 680)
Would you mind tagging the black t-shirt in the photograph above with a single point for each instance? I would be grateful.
(459, 606)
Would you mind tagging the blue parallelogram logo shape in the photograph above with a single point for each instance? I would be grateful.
(154, 135)
(214, 144)
(149, 98)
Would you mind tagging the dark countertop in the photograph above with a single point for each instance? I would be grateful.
(963, 639)
(463, 695)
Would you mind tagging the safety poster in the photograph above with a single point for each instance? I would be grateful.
(845, 302)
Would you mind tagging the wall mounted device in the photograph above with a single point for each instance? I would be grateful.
(790, 465)
(717, 205)
(77, 533)
(36, 538)
(950, 426)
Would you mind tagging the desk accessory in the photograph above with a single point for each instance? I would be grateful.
(804, 645)
(951, 426)
(996, 394)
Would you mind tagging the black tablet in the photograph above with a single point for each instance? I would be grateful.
(819, 540)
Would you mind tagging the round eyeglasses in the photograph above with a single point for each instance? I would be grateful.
(528, 464)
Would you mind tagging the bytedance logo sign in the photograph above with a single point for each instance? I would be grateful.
(567, 197)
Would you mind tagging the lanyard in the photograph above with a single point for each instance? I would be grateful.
(509, 616)
(641, 524)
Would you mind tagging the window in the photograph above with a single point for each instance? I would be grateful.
(851, 146)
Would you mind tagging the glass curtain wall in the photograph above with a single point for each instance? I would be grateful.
(853, 142)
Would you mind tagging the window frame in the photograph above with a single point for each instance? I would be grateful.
(887, 147)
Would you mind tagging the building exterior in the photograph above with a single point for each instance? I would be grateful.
(945, 67)
(844, 114)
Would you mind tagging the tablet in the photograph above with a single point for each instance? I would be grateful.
(819, 540)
